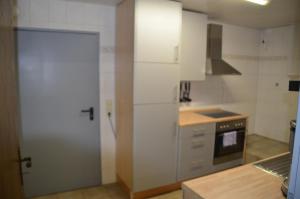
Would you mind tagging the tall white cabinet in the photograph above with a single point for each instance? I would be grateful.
(147, 78)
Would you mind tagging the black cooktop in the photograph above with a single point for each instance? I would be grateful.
(219, 114)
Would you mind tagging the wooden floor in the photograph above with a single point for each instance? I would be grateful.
(112, 191)
(258, 148)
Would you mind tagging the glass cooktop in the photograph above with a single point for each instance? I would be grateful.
(218, 114)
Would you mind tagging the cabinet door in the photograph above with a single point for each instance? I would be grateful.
(157, 31)
(155, 145)
(193, 46)
(155, 83)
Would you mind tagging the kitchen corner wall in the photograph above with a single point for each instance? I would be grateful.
(82, 16)
(276, 106)
(265, 58)
(236, 93)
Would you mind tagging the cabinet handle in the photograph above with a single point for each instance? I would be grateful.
(176, 53)
(175, 129)
(176, 94)
(197, 144)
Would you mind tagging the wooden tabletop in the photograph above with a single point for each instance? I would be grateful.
(192, 117)
(245, 182)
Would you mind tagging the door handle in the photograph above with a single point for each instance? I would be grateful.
(90, 111)
(27, 161)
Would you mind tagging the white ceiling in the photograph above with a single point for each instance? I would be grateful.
(240, 12)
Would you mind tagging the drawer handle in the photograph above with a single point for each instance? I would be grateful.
(198, 145)
(196, 165)
(197, 134)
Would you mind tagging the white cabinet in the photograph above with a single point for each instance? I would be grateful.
(155, 83)
(193, 46)
(155, 143)
(147, 58)
(196, 150)
(157, 31)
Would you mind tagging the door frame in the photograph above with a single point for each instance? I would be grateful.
(49, 30)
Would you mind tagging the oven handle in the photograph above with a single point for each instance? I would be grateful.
(238, 131)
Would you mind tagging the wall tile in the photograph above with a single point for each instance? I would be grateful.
(39, 10)
(58, 12)
(75, 13)
(23, 12)
(93, 15)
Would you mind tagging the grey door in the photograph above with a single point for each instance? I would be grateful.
(58, 77)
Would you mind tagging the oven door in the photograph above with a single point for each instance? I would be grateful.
(225, 153)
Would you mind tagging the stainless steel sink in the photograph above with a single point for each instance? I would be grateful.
(279, 166)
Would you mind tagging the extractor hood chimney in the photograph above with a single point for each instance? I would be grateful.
(215, 65)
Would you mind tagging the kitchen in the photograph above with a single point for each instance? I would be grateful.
(225, 77)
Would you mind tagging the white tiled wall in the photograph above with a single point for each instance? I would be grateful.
(235, 93)
(276, 106)
(81, 16)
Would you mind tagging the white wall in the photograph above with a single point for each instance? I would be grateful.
(276, 106)
(78, 16)
(235, 93)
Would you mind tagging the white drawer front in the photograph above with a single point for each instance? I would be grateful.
(193, 169)
(196, 149)
(197, 130)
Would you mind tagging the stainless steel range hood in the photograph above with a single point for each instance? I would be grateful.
(215, 65)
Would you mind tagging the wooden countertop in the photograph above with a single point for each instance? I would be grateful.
(245, 182)
(192, 117)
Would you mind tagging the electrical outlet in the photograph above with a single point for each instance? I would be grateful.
(109, 105)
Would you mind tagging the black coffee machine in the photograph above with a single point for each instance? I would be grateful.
(293, 86)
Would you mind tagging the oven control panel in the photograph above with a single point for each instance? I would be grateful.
(231, 125)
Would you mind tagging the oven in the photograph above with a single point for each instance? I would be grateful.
(229, 141)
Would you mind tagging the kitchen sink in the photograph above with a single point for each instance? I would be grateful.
(279, 166)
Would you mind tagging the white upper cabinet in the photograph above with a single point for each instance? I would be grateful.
(193, 46)
(157, 31)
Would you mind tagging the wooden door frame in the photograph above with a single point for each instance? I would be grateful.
(10, 173)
